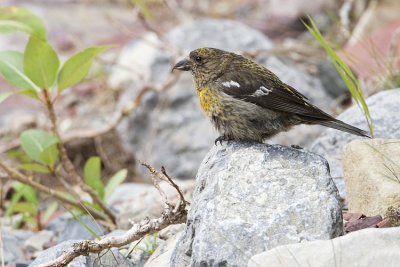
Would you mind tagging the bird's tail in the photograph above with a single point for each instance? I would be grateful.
(341, 126)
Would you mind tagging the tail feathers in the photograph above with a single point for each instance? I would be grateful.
(341, 126)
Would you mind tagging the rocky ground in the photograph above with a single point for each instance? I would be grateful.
(251, 204)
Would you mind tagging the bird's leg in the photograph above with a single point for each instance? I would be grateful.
(222, 138)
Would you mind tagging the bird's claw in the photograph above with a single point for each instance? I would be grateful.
(220, 139)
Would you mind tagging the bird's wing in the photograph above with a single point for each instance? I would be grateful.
(261, 87)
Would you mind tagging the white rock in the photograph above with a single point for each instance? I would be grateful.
(372, 175)
(368, 247)
(135, 60)
(162, 256)
(36, 242)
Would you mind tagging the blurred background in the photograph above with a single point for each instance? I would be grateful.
(131, 107)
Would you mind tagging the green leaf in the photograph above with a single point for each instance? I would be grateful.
(25, 207)
(4, 96)
(34, 167)
(77, 67)
(27, 192)
(114, 181)
(15, 198)
(14, 18)
(7, 26)
(40, 63)
(92, 175)
(39, 146)
(11, 68)
(30, 93)
(50, 155)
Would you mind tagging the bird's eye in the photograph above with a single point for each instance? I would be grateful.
(198, 59)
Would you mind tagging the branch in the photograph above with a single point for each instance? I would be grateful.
(69, 167)
(18, 176)
(171, 215)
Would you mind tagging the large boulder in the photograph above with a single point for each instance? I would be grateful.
(253, 197)
(372, 175)
(368, 247)
(171, 122)
(223, 34)
(385, 112)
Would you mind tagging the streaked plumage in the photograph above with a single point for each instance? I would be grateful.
(246, 101)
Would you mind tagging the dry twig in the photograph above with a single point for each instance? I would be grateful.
(171, 215)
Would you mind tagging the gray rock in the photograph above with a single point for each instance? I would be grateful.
(124, 192)
(13, 243)
(168, 124)
(368, 247)
(252, 197)
(331, 80)
(22, 263)
(108, 258)
(385, 111)
(223, 34)
(75, 230)
(37, 241)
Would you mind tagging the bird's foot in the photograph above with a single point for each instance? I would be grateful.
(296, 147)
(221, 138)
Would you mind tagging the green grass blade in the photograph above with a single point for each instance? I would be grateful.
(351, 82)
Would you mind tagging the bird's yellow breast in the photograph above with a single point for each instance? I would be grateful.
(210, 101)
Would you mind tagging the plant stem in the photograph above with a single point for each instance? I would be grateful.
(67, 164)
(16, 175)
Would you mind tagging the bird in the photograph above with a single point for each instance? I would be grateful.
(245, 101)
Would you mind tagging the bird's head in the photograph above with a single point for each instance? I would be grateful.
(206, 64)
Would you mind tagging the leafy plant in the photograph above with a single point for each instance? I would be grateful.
(38, 73)
(150, 244)
(38, 68)
(351, 82)
(92, 176)
(25, 202)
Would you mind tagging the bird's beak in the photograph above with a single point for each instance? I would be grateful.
(183, 65)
